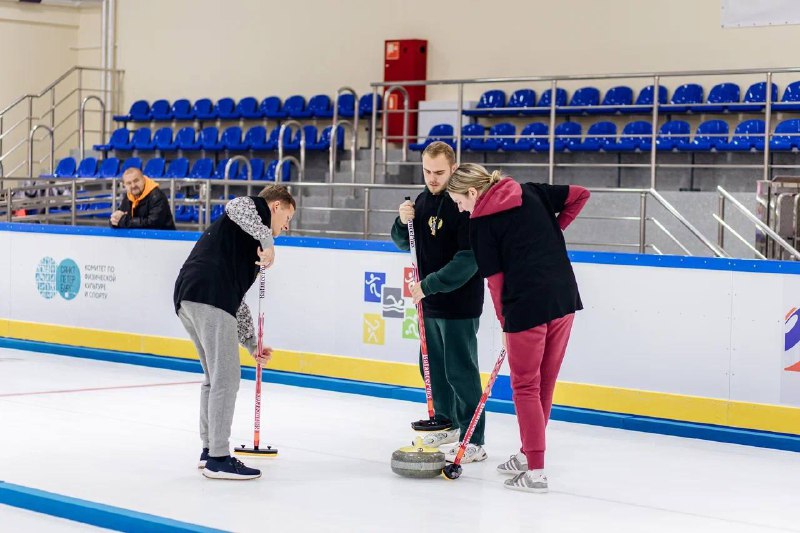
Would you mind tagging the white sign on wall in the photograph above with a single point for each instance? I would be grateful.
(748, 13)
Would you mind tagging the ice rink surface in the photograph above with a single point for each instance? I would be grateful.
(126, 436)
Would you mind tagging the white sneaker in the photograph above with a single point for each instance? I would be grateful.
(518, 464)
(530, 481)
(434, 439)
(474, 453)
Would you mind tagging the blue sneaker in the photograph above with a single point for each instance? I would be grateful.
(229, 468)
(203, 458)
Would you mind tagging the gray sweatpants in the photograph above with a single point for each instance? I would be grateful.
(214, 334)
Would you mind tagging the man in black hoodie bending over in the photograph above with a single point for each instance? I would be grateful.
(209, 300)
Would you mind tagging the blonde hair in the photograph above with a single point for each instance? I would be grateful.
(472, 175)
(270, 193)
(437, 148)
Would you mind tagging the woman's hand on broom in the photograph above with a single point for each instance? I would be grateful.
(266, 355)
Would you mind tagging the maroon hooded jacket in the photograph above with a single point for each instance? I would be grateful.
(516, 234)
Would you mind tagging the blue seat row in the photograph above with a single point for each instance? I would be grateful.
(184, 212)
(711, 135)
(271, 107)
(688, 98)
(209, 139)
(157, 167)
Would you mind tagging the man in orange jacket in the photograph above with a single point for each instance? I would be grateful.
(144, 206)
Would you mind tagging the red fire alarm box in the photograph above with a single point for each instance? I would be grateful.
(404, 60)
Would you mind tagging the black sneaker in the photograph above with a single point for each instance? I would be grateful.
(203, 458)
(229, 468)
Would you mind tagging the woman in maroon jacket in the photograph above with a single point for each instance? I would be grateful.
(516, 235)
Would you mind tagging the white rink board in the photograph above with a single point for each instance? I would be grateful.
(689, 331)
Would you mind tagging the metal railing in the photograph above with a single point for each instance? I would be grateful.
(656, 110)
(227, 174)
(726, 198)
(60, 115)
(82, 123)
(301, 165)
(206, 200)
(335, 123)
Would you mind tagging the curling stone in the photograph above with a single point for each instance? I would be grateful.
(418, 461)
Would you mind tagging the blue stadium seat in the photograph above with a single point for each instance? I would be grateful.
(184, 213)
(256, 138)
(131, 162)
(209, 139)
(272, 140)
(295, 107)
(219, 173)
(225, 109)
(494, 139)
(87, 168)
(324, 141)
(247, 108)
(97, 206)
(488, 101)
(786, 136)
(155, 168)
(365, 104)
(120, 140)
(719, 97)
(201, 169)
(162, 140)
(178, 168)
(346, 104)
(286, 171)
(66, 168)
(755, 97)
(182, 110)
(567, 135)
(582, 99)
(219, 210)
(532, 137)
(139, 112)
(614, 100)
(710, 135)
(320, 106)
(521, 102)
(256, 166)
(790, 101)
(294, 141)
(673, 135)
(203, 109)
(748, 135)
(644, 102)
(161, 111)
(109, 168)
(439, 132)
(543, 107)
(271, 107)
(635, 136)
(185, 139)
(142, 139)
(598, 136)
(472, 135)
(684, 98)
(232, 139)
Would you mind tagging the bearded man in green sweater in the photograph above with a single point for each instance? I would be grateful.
(452, 300)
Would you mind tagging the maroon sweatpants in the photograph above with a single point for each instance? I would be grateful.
(535, 357)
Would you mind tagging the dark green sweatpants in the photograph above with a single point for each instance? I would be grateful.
(455, 378)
